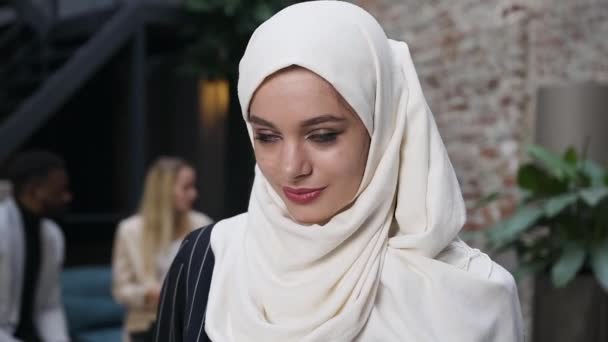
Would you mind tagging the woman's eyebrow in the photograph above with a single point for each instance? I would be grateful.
(259, 121)
(306, 123)
(322, 119)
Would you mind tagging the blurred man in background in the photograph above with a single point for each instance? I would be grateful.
(32, 250)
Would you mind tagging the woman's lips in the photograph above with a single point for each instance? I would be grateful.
(302, 195)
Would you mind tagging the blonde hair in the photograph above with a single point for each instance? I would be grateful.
(161, 222)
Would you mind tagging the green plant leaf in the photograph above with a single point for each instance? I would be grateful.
(538, 182)
(229, 22)
(470, 234)
(507, 230)
(568, 265)
(593, 196)
(262, 11)
(595, 172)
(554, 164)
(528, 268)
(231, 6)
(599, 262)
(482, 202)
(530, 176)
(555, 205)
(570, 156)
(198, 5)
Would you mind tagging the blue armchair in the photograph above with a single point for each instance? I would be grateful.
(92, 313)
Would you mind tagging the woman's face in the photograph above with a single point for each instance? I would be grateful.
(309, 144)
(185, 190)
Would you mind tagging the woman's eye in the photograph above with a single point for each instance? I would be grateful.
(324, 137)
(266, 138)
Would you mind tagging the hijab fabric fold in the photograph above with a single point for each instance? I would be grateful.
(388, 268)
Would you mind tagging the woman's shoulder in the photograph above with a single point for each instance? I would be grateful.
(477, 264)
(199, 219)
(130, 225)
(226, 232)
(195, 244)
(198, 242)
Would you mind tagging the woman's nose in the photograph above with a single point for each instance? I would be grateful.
(296, 162)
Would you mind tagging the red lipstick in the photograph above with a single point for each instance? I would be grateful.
(302, 195)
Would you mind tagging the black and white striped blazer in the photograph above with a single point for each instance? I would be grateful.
(183, 304)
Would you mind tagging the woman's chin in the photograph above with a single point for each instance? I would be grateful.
(309, 218)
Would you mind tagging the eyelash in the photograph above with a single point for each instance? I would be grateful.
(319, 138)
(266, 138)
(323, 138)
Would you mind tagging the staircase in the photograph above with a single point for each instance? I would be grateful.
(49, 49)
(35, 44)
(47, 52)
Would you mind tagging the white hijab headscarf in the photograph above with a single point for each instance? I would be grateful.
(390, 267)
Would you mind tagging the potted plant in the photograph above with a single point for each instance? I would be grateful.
(219, 31)
(560, 234)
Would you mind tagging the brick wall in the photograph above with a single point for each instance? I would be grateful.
(481, 63)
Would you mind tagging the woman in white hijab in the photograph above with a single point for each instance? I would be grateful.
(351, 232)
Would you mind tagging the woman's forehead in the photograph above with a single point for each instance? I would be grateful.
(297, 78)
(301, 91)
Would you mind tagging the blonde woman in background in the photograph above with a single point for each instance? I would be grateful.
(147, 242)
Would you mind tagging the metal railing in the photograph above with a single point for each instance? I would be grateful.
(127, 21)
